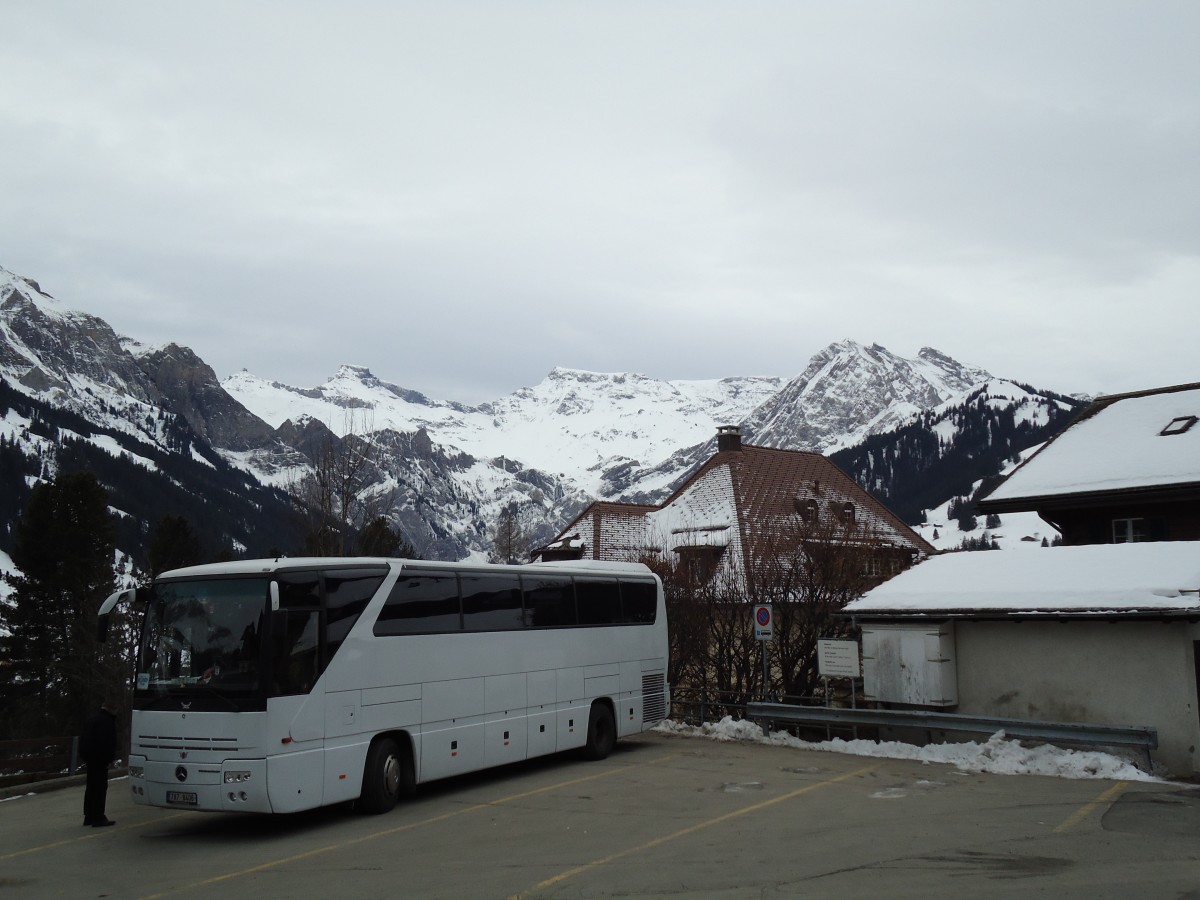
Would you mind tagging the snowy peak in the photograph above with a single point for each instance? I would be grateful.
(11, 282)
(850, 391)
(352, 400)
(47, 348)
(948, 375)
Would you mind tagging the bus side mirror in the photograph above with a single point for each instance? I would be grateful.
(102, 618)
(274, 595)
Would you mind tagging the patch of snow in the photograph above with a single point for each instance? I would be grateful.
(197, 457)
(112, 448)
(996, 756)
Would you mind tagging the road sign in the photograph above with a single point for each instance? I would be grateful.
(764, 622)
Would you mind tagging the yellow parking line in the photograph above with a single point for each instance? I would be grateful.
(387, 832)
(691, 829)
(95, 833)
(1087, 809)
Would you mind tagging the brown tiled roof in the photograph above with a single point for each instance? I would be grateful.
(767, 484)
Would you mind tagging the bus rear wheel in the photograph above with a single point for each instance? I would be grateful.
(388, 774)
(602, 732)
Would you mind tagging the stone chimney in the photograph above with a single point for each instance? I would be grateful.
(729, 437)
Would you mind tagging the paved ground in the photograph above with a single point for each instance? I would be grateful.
(663, 816)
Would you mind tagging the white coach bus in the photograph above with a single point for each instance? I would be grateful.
(282, 685)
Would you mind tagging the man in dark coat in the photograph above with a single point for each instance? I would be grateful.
(98, 748)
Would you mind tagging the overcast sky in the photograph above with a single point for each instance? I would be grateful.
(462, 196)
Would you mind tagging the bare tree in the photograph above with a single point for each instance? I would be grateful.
(344, 491)
(807, 570)
(712, 649)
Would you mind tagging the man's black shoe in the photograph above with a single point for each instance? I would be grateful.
(103, 822)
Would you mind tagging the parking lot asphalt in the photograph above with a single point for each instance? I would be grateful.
(663, 816)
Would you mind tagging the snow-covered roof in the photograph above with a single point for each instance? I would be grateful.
(1097, 579)
(1129, 442)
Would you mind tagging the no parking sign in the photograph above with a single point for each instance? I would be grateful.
(764, 622)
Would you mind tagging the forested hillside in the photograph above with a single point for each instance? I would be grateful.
(230, 508)
(945, 452)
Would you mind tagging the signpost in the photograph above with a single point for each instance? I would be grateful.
(764, 630)
(838, 659)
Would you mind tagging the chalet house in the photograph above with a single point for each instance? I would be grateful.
(1127, 470)
(731, 507)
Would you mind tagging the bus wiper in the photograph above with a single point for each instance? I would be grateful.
(210, 691)
(158, 699)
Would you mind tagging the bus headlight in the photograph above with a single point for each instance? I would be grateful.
(236, 777)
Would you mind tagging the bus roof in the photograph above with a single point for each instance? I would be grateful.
(288, 563)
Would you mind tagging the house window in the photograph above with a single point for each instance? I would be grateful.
(699, 563)
(1129, 531)
(807, 509)
(1178, 425)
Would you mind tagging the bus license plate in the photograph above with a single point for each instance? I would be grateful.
(181, 797)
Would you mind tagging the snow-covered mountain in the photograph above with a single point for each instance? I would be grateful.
(850, 391)
(573, 424)
(627, 436)
(933, 466)
(545, 450)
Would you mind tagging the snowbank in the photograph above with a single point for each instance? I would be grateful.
(997, 756)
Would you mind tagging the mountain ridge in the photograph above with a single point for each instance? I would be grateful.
(544, 450)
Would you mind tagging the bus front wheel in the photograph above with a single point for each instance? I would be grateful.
(388, 775)
(602, 732)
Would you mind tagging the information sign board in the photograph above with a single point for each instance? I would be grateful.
(838, 659)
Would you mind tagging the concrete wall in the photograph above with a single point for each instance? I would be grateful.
(1126, 673)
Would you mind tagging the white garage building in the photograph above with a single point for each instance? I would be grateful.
(1101, 634)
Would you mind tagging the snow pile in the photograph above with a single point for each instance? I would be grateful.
(996, 756)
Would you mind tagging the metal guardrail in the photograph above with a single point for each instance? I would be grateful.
(37, 759)
(1137, 737)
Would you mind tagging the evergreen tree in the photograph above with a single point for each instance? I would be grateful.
(509, 543)
(173, 544)
(57, 670)
(379, 538)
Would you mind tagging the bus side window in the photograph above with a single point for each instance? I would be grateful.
(549, 601)
(295, 633)
(296, 644)
(491, 602)
(420, 604)
(346, 596)
(639, 602)
(599, 601)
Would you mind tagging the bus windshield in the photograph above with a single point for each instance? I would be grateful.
(203, 634)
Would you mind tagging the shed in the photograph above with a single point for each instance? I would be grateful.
(1095, 634)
